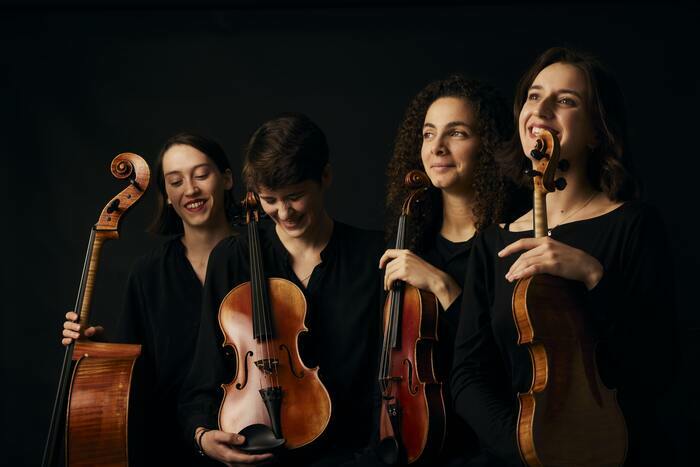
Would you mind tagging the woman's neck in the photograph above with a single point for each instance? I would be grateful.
(458, 223)
(200, 241)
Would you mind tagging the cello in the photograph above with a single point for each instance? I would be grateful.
(95, 395)
(274, 400)
(412, 422)
(568, 416)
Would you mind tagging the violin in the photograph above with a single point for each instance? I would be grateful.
(94, 397)
(568, 416)
(412, 419)
(274, 400)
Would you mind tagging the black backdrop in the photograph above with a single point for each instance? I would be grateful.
(82, 85)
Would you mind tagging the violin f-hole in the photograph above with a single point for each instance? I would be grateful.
(245, 367)
(291, 363)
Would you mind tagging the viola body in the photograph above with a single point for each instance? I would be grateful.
(413, 407)
(568, 417)
(98, 404)
(306, 405)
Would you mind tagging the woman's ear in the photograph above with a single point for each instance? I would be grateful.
(326, 176)
(228, 179)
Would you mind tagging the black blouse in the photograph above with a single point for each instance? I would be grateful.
(343, 318)
(162, 310)
(632, 302)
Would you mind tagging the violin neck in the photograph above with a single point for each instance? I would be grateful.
(258, 284)
(539, 213)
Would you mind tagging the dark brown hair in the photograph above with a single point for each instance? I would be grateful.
(283, 151)
(609, 170)
(492, 125)
(166, 221)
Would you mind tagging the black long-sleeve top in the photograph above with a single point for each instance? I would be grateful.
(631, 309)
(343, 318)
(161, 312)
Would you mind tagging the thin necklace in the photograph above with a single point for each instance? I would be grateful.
(593, 195)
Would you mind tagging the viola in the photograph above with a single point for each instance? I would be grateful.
(274, 400)
(568, 416)
(412, 418)
(94, 396)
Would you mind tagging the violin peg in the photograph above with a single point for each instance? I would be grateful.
(537, 155)
(563, 165)
(560, 183)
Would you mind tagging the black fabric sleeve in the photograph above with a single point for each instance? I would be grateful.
(475, 378)
(201, 393)
(130, 327)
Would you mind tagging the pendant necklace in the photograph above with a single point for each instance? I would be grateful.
(595, 193)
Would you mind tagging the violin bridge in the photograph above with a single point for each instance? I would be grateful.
(267, 365)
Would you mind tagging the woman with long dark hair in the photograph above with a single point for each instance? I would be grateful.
(164, 291)
(599, 234)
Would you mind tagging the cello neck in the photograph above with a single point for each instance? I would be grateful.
(87, 278)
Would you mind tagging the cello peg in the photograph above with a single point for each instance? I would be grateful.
(560, 183)
(563, 165)
(113, 206)
(537, 155)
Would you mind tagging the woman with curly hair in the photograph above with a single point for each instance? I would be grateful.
(451, 130)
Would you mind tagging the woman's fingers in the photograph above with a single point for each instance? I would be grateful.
(390, 255)
(522, 244)
(72, 316)
(94, 331)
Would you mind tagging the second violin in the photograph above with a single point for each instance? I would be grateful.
(412, 423)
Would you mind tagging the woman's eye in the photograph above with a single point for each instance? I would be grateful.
(202, 176)
(567, 101)
(175, 182)
(427, 135)
(459, 133)
(532, 96)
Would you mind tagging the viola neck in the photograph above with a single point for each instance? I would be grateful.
(539, 213)
(258, 284)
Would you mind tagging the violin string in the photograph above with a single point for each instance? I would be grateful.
(260, 280)
(252, 230)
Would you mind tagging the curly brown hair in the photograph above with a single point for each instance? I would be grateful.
(609, 168)
(493, 125)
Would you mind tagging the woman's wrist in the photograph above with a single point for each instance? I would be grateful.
(445, 289)
(198, 435)
(594, 275)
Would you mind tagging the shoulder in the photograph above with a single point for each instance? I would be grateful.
(350, 233)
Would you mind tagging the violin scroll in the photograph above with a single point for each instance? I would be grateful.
(546, 162)
(419, 183)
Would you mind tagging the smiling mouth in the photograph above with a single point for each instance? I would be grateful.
(195, 205)
(535, 130)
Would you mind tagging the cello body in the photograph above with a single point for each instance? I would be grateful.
(568, 417)
(412, 424)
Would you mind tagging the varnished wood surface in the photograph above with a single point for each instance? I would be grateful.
(306, 405)
(417, 388)
(97, 412)
(568, 417)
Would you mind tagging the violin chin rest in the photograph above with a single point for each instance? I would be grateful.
(259, 438)
(388, 450)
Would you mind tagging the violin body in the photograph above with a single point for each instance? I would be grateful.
(415, 394)
(568, 417)
(305, 410)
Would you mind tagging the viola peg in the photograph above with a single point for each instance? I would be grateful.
(560, 183)
(537, 155)
(532, 173)
(563, 165)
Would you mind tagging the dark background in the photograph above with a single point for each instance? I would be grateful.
(81, 84)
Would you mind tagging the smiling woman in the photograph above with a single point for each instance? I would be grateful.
(164, 292)
(602, 237)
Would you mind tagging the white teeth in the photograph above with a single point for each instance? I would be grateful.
(194, 205)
